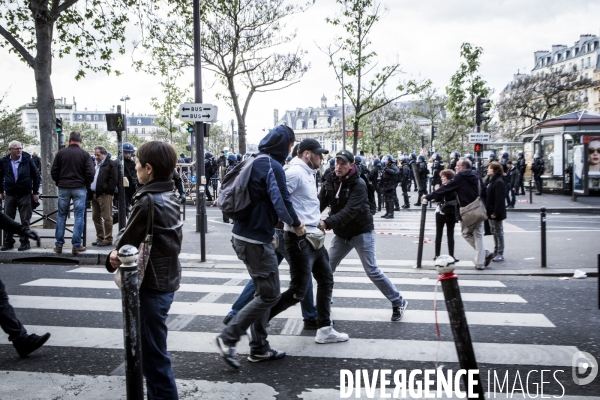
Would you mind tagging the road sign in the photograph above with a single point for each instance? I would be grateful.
(481, 137)
(198, 112)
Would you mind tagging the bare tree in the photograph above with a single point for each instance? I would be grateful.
(240, 40)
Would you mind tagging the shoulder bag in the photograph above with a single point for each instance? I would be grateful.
(474, 212)
(144, 248)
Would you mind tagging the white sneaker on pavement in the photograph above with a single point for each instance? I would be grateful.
(329, 335)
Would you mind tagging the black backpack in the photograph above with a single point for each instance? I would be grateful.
(370, 194)
(234, 197)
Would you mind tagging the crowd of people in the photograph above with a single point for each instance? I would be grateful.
(286, 223)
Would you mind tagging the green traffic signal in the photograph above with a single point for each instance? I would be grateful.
(190, 128)
(59, 126)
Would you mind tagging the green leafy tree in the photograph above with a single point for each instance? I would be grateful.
(465, 86)
(11, 128)
(91, 137)
(355, 65)
(239, 44)
(531, 99)
(38, 30)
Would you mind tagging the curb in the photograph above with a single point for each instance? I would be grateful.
(48, 256)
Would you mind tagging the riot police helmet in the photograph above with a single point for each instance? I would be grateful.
(404, 160)
(332, 162)
(537, 155)
(470, 157)
(232, 157)
(421, 157)
(520, 154)
(238, 156)
(492, 155)
(456, 154)
(505, 154)
(376, 161)
(357, 160)
(208, 155)
(128, 147)
(437, 156)
(413, 156)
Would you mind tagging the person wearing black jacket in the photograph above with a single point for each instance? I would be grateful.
(538, 169)
(129, 172)
(405, 181)
(19, 185)
(102, 191)
(389, 182)
(422, 172)
(513, 181)
(445, 215)
(23, 343)
(155, 164)
(522, 167)
(352, 223)
(496, 207)
(375, 178)
(466, 186)
(73, 172)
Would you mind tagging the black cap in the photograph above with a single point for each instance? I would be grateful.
(345, 155)
(311, 145)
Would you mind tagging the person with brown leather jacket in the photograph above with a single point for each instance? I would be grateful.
(155, 164)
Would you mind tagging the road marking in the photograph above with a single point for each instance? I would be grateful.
(305, 346)
(337, 313)
(346, 279)
(232, 289)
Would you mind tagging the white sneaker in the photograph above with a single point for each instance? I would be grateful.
(329, 335)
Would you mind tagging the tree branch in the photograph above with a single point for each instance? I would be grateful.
(17, 46)
(66, 4)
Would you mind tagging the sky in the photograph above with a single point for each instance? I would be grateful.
(424, 36)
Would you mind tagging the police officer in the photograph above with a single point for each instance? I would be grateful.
(522, 167)
(360, 166)
(422, 172)
(210, 168)
(438, 166)
(389, 181)
(455, 158)
(129, 172)
(404, 180)
(472, 159)
(413, 180)
(492, 157)
(503, 161)
(375, 177)
(538, 169)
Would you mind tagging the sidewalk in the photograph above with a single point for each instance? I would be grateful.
(220, 255)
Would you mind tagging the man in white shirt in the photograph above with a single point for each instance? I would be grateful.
(307, 253)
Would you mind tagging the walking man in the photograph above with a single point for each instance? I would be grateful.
(306, 253)
(253, 243)
(522, 167)
(19, 185)
(102, 191)
(467, 185)
(352, 223)
(73, 172)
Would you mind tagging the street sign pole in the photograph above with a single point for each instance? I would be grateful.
(117, 123)
(199, 130)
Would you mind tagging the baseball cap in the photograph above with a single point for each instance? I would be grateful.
(311, 145)
(345, 155)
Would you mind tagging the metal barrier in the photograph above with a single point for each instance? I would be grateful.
(48, 216)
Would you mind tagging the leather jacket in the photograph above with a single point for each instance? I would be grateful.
(164, 270)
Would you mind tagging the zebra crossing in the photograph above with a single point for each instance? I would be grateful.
(207, 288)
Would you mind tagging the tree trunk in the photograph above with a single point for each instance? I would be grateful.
(355, 144)
(42, 68)
(242, 135)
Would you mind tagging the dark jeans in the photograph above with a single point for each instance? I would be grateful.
(304, 260)
(307, 305)
(511, 196)
(508, 190)
(156, 362)
(423, 190)
(448, 221)
(261, 262)
(538, 183)
(23, 204)
(379, 198)
(405, 188)
(8, 319)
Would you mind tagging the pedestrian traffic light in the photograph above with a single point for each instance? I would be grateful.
(422, 141)
(482, 107)
(434, 130)
(478, 148)
(59, 126)
(190, 128)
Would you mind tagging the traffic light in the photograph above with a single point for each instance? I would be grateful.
(482, 107)
(423, 141)
(478, 148)
(190, 128)
(59, 126)
(434, 130)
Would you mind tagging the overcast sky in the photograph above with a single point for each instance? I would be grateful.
(425, 36)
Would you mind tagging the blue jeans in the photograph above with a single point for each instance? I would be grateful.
(364, 244)
(309, 312)
(64, 199)
(156, 362)
(8, 320)
(304, 261)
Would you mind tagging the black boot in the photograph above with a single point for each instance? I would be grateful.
(390, 207)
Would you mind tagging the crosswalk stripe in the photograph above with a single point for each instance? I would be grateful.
(346, 279)
(337, 313)
(304, 346)
(347, 293)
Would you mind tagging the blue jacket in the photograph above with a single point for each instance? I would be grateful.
(268, 190)
(28, 181)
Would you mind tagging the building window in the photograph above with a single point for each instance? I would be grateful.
(143, 131)
(333, 146)
(88, 117)
(32, 117)
(96, 117)
(136, 131)
(95, 126)
(139, 121)
(80, 117)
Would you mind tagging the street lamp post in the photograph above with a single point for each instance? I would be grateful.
(343, 114)
(124, 99)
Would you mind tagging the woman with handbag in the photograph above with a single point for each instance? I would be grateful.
(496, 207)
(159, 242)
(445, 215)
